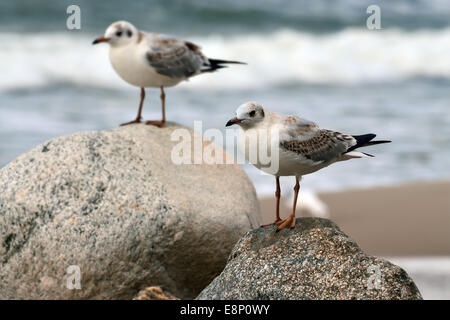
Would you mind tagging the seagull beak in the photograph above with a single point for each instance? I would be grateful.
(100, 39)
(235, 120)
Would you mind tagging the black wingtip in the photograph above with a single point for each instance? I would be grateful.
(365, 140)
(219, 61)
(371, 143)
(215, 64)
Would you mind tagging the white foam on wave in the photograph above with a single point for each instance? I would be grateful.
(347, 57)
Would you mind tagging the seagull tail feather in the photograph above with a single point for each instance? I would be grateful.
(356, 154)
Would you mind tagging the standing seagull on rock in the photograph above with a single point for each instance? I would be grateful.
(303, 147)
(154, 60)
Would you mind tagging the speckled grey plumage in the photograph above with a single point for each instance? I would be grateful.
(113, 203)
(316, 260)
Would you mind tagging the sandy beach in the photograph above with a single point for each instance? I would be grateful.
(401, 220)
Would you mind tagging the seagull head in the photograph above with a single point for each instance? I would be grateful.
(119, 33)
(248, 115)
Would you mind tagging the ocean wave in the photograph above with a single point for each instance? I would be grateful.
(226, 16)
(348, 57)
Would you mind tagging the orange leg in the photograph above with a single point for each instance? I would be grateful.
(139, 117)
(290, 221)
(277, 213)
(163, 106)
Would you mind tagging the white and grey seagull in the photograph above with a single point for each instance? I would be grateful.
(154, 60)
(303, 147)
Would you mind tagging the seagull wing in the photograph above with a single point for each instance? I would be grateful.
(175, 58)
(306, 139)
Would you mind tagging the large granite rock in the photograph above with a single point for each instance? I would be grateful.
(316, 260)
(113, 204)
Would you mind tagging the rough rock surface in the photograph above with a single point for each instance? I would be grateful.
(316, 260)
(155, 293)
(113, 204)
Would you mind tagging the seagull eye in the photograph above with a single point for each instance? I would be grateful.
(118, 33)
(252, 113)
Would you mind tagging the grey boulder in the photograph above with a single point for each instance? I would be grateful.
(316, 260)
(102, 215)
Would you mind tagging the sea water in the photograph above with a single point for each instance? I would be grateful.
(314, 59)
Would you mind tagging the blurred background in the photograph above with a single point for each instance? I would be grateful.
(316, 59)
